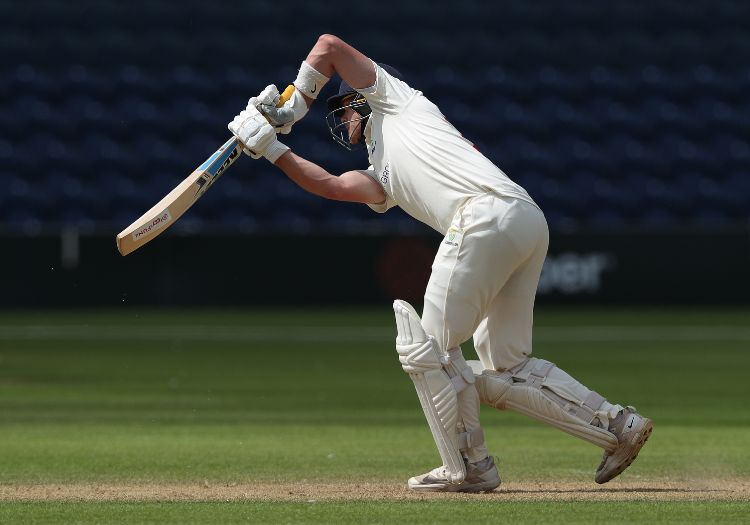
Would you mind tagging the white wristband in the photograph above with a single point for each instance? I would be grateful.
(310, 81)
(275, 150)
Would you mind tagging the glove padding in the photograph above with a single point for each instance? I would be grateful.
(287, 115)
(255, 133)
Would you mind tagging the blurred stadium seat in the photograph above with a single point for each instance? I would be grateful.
(650, 129)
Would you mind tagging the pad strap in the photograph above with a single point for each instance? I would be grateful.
(593, 401)
(587, 410)
(461, 374)
(539, 373)
(467, 440)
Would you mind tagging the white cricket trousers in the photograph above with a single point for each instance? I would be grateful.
(483, 283)
(484, 279)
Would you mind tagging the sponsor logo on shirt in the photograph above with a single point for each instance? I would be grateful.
(451, 237)
(385, 175)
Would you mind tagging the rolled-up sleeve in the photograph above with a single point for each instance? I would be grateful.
(389, 202)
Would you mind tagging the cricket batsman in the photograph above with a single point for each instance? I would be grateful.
(484, 276)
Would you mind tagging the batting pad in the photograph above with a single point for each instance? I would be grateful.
(538, 389)
(420, 359)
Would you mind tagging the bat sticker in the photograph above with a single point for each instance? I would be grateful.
(157, 224)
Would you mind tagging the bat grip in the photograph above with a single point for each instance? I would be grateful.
(286, 95)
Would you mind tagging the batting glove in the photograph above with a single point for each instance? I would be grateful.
(283, 118)
(256, 135)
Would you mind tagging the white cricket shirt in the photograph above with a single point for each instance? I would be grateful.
(423, 163)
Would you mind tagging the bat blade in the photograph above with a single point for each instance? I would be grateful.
(166, 212)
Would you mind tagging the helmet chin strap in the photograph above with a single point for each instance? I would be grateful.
(361, 126)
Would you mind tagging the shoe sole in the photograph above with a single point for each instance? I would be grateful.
(487, 486)
(483, 488)
(643, 436)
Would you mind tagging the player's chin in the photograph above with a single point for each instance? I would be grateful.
(356, 136)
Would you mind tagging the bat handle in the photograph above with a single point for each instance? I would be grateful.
(286, 95)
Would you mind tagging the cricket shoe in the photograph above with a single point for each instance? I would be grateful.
(481, 476)
(632, 431)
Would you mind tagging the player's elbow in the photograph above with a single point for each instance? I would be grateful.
(335, 190)
(341, 189)
(328, 44)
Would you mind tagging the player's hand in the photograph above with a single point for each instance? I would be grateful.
(268, 97)
(257, 136)
(284, 117)
(253, 130)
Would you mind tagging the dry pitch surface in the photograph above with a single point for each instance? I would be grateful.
(308, 491)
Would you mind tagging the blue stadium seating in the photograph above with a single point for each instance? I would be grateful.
(609, 116)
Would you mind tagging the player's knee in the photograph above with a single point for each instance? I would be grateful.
(501, 356)
(448, 332)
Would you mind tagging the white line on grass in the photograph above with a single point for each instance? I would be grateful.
(352, 333)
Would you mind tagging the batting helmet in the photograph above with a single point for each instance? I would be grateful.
(347, 97)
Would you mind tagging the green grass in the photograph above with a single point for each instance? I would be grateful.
(247, 395)
(377, 512)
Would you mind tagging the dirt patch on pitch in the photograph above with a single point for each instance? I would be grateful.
(311, 491)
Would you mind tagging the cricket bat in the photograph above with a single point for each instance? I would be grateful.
(166, 212)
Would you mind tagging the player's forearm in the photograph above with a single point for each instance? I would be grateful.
(321, 56)
(309, 176)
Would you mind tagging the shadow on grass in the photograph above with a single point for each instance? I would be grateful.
(619, 490)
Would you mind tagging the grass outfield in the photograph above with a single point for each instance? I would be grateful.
(222, 417)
